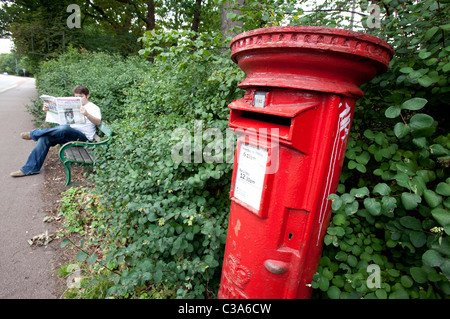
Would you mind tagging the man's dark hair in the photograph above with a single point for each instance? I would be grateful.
(81, 89)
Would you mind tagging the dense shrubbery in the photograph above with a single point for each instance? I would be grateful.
(164, 223)
(108, 77)
(165, 220)
(391, 209)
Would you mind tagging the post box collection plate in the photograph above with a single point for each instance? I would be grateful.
(250, 175)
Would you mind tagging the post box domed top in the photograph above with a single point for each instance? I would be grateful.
(310, 58)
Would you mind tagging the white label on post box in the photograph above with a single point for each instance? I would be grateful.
(250, 174)
(259, 100)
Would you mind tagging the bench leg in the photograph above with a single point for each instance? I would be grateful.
(68, 175)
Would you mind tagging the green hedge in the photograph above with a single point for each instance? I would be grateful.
(108, 77)
(163, 224)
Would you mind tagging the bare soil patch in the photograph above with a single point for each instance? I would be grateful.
(51, 193)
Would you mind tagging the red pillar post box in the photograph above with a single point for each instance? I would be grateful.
(301, 88)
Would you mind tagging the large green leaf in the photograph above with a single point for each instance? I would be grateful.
(392, 112)
(381, 189)
(443, 189)
(432, 198)
(419, 274)
(418, 239)
(421, 125)
(414, 104)
(410, 201)
(442, 216)
(411, 222)
(401, 130)
(373, 206)
(432, 258)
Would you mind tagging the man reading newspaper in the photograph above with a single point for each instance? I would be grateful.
(83, 130)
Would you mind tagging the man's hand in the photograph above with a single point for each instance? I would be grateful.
(83, 111)
(91, 118)
(45, 107)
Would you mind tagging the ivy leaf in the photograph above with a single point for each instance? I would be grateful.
(388, 204)
(392, 112)
(359, 192)
(352, 208)
(419, 275)
(157, 276)
(421, 125)
(438, 150)
(401, 130)
(432, 258)
(443, 189)
(406, 281)
(421, 142)
(425, 81)
(430, 33)
(352, 164)
(414, 104)
(92, 259)
(336, 204)
(418, 185)
(446, 67)
(418, 239)
(432, 198)
(424, 54)
(402, 180)
(399, 294)
(411, 222)
(324, 283)
(65, 243)
(339, 220)
(363, 158)
(81, 256)
(372, 206)
(333, 292)
(442, 216)
(445, 27)
(406, 70)
(381, 189)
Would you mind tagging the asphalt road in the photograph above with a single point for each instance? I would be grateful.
(26, 272)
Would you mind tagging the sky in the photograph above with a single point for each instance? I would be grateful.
(5, 46)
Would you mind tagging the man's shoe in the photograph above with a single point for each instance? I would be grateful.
(18, 174)
(25, 135)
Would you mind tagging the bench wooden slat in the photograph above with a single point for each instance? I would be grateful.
(86, 155)
(78, 154)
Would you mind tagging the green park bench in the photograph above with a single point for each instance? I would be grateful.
(81, 153)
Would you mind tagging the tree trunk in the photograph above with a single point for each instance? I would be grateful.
(228, 24)
(197, 11)
(150, 18)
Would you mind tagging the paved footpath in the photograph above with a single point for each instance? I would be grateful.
(26, 272)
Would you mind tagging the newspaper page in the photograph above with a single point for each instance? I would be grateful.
(63, 110)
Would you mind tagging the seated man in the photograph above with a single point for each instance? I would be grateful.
(61, 134)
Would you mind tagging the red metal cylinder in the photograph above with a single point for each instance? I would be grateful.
(294, 120)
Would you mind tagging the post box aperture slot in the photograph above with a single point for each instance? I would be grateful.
(254, 121)
(268, 118)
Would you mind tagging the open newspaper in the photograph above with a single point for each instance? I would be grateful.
(63, 110)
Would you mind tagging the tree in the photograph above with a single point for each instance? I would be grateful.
(228, 12)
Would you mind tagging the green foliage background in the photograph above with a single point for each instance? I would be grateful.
(162, 225)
